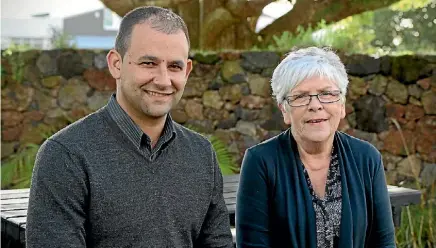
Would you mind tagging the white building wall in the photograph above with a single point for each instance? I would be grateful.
(35, 32)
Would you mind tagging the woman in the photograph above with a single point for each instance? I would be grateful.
(312, 186)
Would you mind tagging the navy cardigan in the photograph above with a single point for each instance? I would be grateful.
(274, 207)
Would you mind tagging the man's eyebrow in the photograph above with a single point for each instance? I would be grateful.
(148, 57)
(154, 58)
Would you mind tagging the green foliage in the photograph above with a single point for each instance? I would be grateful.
(16, 171)
(225, 159)
(61, 40)
(400, 30)
(289, 40)
(418, 226)
(14, 48)
(406, 27)
(13, 55)
(341, 35)
(405, 5)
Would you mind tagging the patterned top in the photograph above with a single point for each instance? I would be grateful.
(328, 209)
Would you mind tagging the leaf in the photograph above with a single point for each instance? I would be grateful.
(225, 159)
(17, 170)
(7, 173)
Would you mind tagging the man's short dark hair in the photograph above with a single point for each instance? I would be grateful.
(160, 19)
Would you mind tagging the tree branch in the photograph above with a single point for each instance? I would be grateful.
(124, 6)
(243, 8)
(311, 12)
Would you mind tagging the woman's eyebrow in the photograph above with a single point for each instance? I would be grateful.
(307, 91)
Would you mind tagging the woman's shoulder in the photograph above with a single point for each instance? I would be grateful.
(359, 148)
(270, 146)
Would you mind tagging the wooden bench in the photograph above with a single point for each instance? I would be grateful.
(14, 208)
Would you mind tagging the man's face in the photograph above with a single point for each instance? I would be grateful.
(153, 72)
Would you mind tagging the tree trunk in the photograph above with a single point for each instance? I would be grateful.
(190, 11)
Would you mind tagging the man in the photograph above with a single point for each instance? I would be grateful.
(127, 175)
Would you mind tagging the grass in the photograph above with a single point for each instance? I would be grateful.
(417, 227)
(418, 222)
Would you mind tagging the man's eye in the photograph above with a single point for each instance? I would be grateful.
(147, 63)
(176, 67)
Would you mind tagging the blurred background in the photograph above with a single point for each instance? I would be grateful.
(54, 72)
(372, 27)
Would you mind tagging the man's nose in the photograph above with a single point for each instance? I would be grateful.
(162, 76)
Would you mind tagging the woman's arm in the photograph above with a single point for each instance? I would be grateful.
(383, 232)
(252, 211)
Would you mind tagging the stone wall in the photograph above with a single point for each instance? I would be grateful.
(229, 95)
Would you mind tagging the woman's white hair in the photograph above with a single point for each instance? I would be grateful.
(306, 63)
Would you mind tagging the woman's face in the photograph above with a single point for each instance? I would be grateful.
(315, 122)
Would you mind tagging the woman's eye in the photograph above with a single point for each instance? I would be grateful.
(327, 93)
(299, 96)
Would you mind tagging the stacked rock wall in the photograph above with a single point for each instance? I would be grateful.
(391, 101)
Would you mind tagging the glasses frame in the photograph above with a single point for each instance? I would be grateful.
(289, 101)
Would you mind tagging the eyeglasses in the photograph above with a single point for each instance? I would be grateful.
(304, 99)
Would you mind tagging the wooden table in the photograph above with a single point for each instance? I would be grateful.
(14, 208)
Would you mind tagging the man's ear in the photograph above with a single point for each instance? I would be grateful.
(189, 67)
(114, 62)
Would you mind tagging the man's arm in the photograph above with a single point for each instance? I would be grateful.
(57, 203)
(215, 231)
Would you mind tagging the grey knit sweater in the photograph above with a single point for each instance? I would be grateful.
(93, 187)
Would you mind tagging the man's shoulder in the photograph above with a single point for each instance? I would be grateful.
(190, 136)
(82, 130)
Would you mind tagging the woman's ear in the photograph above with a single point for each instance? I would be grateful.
(285, 113)
(114, 62)
(343, 110)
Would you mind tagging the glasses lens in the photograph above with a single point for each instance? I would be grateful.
(298, 100)
(329, 96)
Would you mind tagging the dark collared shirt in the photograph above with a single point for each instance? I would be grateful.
(138, 138)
